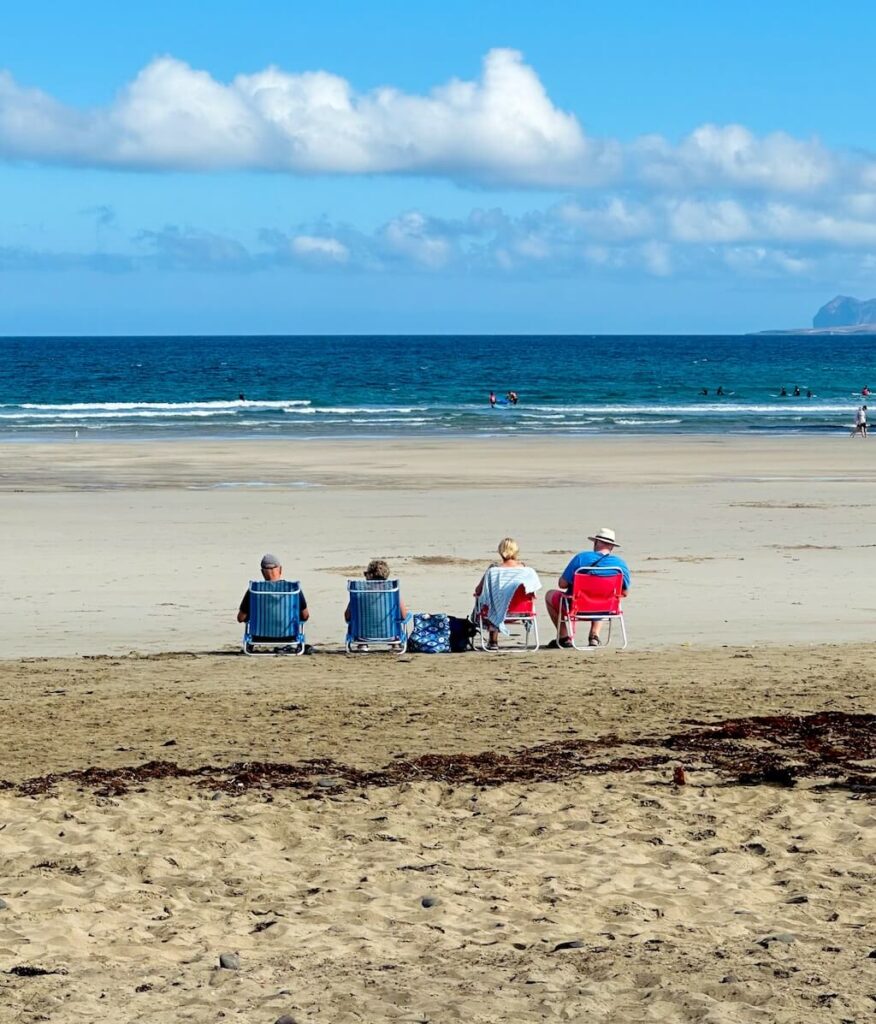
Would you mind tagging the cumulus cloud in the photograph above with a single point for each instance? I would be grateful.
(500, 129)
(179, 248)
(658, 235)
(319, 250)
(732, 156)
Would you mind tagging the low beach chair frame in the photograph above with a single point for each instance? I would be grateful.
(521, 612)
(274, 618)
(361, 636)
(583, 605)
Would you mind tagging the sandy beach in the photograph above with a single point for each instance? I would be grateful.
(472, 837)
(119, 547)
(535, 862)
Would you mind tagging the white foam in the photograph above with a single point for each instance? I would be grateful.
(162, 406)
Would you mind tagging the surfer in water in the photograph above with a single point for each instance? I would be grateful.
(512, 397)
(492, 399)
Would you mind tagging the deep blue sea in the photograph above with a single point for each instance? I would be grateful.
(310, 387)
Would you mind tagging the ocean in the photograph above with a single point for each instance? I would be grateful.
(317, 387)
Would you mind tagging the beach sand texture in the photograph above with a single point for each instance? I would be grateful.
(416, 839)
(350, 900)
(115, 547)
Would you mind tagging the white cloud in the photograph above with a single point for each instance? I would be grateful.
(501, 129)
(411, 236)
(732, 156)
(319, 249)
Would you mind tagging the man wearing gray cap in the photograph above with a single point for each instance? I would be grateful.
(271, 570)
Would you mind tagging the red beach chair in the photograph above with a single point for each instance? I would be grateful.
(521, 612)
(596, 597)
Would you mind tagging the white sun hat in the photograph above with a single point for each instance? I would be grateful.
(606, 535)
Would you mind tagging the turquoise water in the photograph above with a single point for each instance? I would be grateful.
(377, 386)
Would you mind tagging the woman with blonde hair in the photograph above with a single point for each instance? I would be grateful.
(499, 584)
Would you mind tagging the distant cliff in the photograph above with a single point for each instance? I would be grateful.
(844, 311)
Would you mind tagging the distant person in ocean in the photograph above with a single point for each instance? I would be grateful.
(241, 397)
(809, 394)
(860, 422)
(492, 399)
(720, 391)
(783, 393)
(705, 392)
(796, 391)
(271, 570)
(865, 392)
(512, 397)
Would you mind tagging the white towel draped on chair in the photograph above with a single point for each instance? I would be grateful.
(500, 586)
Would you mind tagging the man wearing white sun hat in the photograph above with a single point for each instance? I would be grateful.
(602, 555)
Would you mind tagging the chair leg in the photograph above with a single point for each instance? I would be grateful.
(623, 627)
(574, 641)
(482, 633)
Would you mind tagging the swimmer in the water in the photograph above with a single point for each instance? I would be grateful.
(783, 393)
(241, 397)
(720, 391)
(704, 391)
(492, 399)
(809, 394)
(512, 397)
(796, 391)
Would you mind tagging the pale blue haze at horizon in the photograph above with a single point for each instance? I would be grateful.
(649, 68)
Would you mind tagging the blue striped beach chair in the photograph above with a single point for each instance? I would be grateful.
(274, 618)
(375, 615)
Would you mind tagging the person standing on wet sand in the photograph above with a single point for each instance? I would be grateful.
(860, 422)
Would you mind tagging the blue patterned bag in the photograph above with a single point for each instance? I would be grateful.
(431, 634)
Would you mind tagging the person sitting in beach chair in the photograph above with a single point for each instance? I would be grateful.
(375, 613)
(273, 610)
(602, 557)
(506, 596)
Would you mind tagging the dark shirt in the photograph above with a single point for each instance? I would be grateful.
(244, 604)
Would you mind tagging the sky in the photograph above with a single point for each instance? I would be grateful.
(344, 168)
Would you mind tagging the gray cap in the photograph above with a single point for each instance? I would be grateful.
(271, 562)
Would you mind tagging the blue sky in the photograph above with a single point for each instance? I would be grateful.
(455, 167)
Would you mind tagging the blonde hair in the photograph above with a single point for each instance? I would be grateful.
(508, 548)
(377, 570)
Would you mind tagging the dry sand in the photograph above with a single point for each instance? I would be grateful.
(710, 902)
(307, 808)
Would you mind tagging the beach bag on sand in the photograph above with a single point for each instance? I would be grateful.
(430, 634)
(462, 633)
